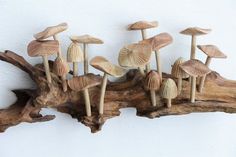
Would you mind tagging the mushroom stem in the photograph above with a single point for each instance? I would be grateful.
(85, 59)
(153, 97)
(158, 62)
(75, 68)
(193, 47)
(141, 70)
(179, 85)
(59, 54)
(144, 36)
(202, 80)
(193, 89)
(46, 67)
(87, 102)
(64, 83)
(168, 103)
(102, 96)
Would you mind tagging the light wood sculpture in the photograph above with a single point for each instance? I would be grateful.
(85, 40)
(105, 98)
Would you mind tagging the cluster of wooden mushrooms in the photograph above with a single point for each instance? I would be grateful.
(132, 56)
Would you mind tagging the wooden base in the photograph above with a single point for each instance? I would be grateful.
(219, 95)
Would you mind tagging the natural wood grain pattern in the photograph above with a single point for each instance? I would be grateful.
(140, 25)
(212, 51)
(86, 39)
(219, 96)
(195, 31)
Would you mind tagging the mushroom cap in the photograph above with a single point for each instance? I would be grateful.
(86, 39)
(135, 55)
(195, 31)
(142, 25)
(51, 31)
(195, 68)
(159, 41)
(212, 51)
(75, 53)
(104, 65)
(176, 71)
(152, 81)
(60, 67)
(168, 89)
(79, 83)
(40, 48)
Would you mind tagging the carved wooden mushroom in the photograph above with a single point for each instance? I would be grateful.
(157, 42)
(194, 31)
(43, 48)
(178, 73)
(153, 83)
(75, 55)
(212, 52)
(135, 56)
(143, 25)
(82, 83)
(85, 40)
(61, 68)
(194, 68)
(168, 91)
(108, 68)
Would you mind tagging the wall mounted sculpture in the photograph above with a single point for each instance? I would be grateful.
(93, 99)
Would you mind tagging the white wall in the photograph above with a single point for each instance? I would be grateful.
(194, 135)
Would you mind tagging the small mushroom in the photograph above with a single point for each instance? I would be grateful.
(75, 55)
(83, 83)
(153, 83)
(194, 68)
(108, 68)
(51, 31)
(85, 40)
(135, 56)
(168, 91)
(61, 68)
(157, 42)
(178, 73)
(194, 31)
(212, 52)
(143, 25)
(43, 48)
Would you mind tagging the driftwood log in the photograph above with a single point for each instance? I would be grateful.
(219, 95)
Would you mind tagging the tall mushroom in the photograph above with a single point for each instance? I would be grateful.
(168, 91)
(82, 83)
(194, 31)
(43, 48)
(108, 68)
(85, 40)
(75, 55)
(157, 42)
(61, 68)
(178, 73)
(212, 52)
(153, 83)
(135, 56)
(143, 25)
(194, 68)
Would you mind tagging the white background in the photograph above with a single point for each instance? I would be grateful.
(195, 135)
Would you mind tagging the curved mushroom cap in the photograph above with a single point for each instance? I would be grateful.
(135, 55)
(60, 67)
(142, 25)
(74, 53)
(176, 71)
(41, 48)
(79, 83)
(86, 39)
(212, 51)
(104, 65)
(195, 68)
(152, 81)
(159, 41)
(195, 31)
(51, 31)
(168, 89)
